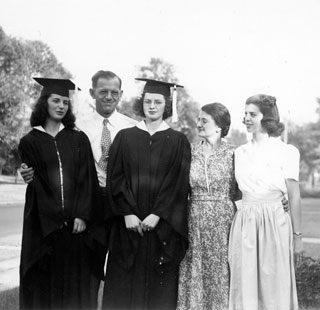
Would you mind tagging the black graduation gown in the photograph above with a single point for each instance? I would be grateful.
(146, 174)
(58, 269)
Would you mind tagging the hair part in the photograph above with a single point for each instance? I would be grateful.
(109, 75)
(40, 114)
(267, 105)
(138, 106)
(220, 115)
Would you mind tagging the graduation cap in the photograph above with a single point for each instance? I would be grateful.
(56, 86)
(163, 88)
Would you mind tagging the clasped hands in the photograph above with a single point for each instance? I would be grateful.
(134, 223)
(79, 226)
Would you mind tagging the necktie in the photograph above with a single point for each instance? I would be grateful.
(105, 145)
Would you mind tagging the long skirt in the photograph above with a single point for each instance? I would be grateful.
(63, 278)
(261, 257)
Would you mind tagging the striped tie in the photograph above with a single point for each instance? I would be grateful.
(105, 145)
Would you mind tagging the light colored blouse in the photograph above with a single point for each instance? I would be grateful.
(261, 169)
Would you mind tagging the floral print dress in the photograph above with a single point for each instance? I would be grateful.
(204, 272)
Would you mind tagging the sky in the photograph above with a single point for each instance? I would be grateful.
(222, 51)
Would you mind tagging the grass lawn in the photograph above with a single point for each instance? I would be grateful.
(311, 250)
(9, 300)
(311, 225)
(311, 204)
(311, 217)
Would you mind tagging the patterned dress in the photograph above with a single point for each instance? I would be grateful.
(204, 272)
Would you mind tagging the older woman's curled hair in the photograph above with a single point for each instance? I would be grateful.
(220, 114)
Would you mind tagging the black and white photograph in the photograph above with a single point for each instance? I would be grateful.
(159, 155)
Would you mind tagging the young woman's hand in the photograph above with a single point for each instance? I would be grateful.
(133, 223)
(79, 226)
(150, 222)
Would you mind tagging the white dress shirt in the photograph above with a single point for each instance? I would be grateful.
(93, 125)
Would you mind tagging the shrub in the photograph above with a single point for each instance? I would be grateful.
(308, 282)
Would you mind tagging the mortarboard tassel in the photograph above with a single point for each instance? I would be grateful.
(174, 105)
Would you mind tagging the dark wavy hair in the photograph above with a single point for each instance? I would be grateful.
(40, 114)
(220, 115)
(268, 107)
(138, 106)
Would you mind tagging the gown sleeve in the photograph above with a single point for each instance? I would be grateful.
(25, 152)
(171, 205)
(120, 198)
(86, 203)
(172, 199)
(32, 236)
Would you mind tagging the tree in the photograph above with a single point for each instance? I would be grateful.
(306, 138)
(20, 60)
(159, 70)
(187, 108)
(236, 137)
(318, 109)
(126, 108)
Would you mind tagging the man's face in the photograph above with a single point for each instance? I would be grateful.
(107, 95)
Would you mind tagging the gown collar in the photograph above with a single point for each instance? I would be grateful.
(163, 126)
(40, 128)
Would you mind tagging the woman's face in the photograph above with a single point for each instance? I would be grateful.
(153, 106)
(207, 127)
(58, 107)
(252, 118)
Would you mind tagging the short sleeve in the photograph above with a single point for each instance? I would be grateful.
(291, 162)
